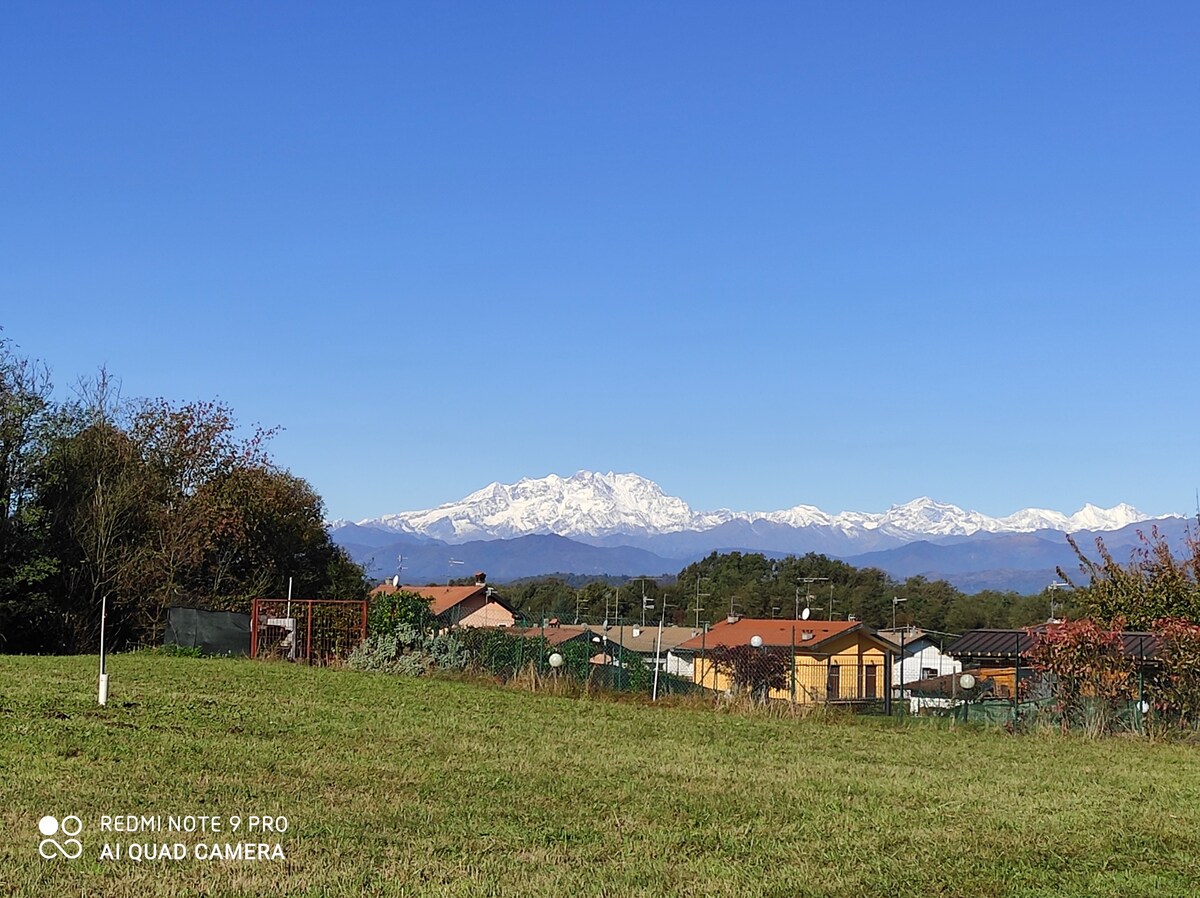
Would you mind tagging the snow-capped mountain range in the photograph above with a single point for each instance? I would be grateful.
(595, 507)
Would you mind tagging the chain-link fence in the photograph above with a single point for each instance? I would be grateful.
(579, 654)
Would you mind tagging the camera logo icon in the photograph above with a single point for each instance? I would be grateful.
(70, 847)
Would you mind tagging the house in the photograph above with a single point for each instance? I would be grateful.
(919, 655)
(821, 661)
(462, 606)
(555, 635)
(1005, 657)
(646, 645)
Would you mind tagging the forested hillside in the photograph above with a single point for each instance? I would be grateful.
(753, 585)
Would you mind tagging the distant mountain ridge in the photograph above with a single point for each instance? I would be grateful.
(623, 524)
(594, 507)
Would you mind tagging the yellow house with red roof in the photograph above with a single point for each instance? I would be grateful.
(809, 661)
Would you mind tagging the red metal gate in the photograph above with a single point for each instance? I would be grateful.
(315, 631)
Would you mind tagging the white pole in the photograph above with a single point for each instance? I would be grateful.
(657, 660)
(291, 624)
(102, 695)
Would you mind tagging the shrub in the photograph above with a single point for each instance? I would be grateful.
(1176, 687)
(388, 611)
(409, 652)
(1090, 676)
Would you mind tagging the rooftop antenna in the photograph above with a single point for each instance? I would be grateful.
(810, 598)
(450, 569)
(699, 595)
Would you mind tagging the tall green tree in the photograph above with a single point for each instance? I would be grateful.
(27, 418)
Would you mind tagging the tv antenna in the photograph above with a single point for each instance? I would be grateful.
(810, 598)
(699, 595)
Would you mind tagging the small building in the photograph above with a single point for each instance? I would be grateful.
(555, 636)
(1005, 657)
(822, 661)
(643, 644)
(919, 655)
(462, 606)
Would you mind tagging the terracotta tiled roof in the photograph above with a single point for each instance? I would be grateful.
(441, 598)
(774, 632)
(554, 635)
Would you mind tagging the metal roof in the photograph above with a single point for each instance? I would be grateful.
(1008, 645)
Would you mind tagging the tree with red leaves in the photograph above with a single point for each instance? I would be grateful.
(1088, 671)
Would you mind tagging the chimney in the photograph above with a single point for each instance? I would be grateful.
(480, 578)
(732, 619)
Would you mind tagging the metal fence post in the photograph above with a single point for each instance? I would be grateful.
(254, 628)
(828, 671)
(1016, 681)
(793, 664)
(1142, 683)
(888, 661)
(308, 633)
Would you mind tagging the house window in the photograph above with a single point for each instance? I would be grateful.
(833, 686)
(928, 673)
(870, 681)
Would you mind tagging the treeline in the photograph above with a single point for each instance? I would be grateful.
(753, 585)
(145, 503)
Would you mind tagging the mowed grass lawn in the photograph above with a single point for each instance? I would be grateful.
(432, 787)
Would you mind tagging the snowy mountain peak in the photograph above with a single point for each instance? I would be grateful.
(585, 504)
(590, 504)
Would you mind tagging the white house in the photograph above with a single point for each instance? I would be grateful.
(919, 655)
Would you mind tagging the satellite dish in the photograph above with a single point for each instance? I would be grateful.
(966, 681)
(806, 614)
(396, 581)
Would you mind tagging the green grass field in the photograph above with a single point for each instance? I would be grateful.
(428, 787)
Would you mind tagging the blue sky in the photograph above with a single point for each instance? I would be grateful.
(764, 254)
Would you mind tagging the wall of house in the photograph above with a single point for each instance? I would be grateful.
(929, 658)
(811, 675)
(680, 665)
(490, 614)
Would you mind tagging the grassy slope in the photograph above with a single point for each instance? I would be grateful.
(407, 787)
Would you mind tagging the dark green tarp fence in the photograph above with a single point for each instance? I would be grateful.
(213, 632)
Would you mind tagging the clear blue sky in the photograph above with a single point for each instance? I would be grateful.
(841, 254)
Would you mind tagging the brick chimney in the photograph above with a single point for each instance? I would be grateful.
(480, 578)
